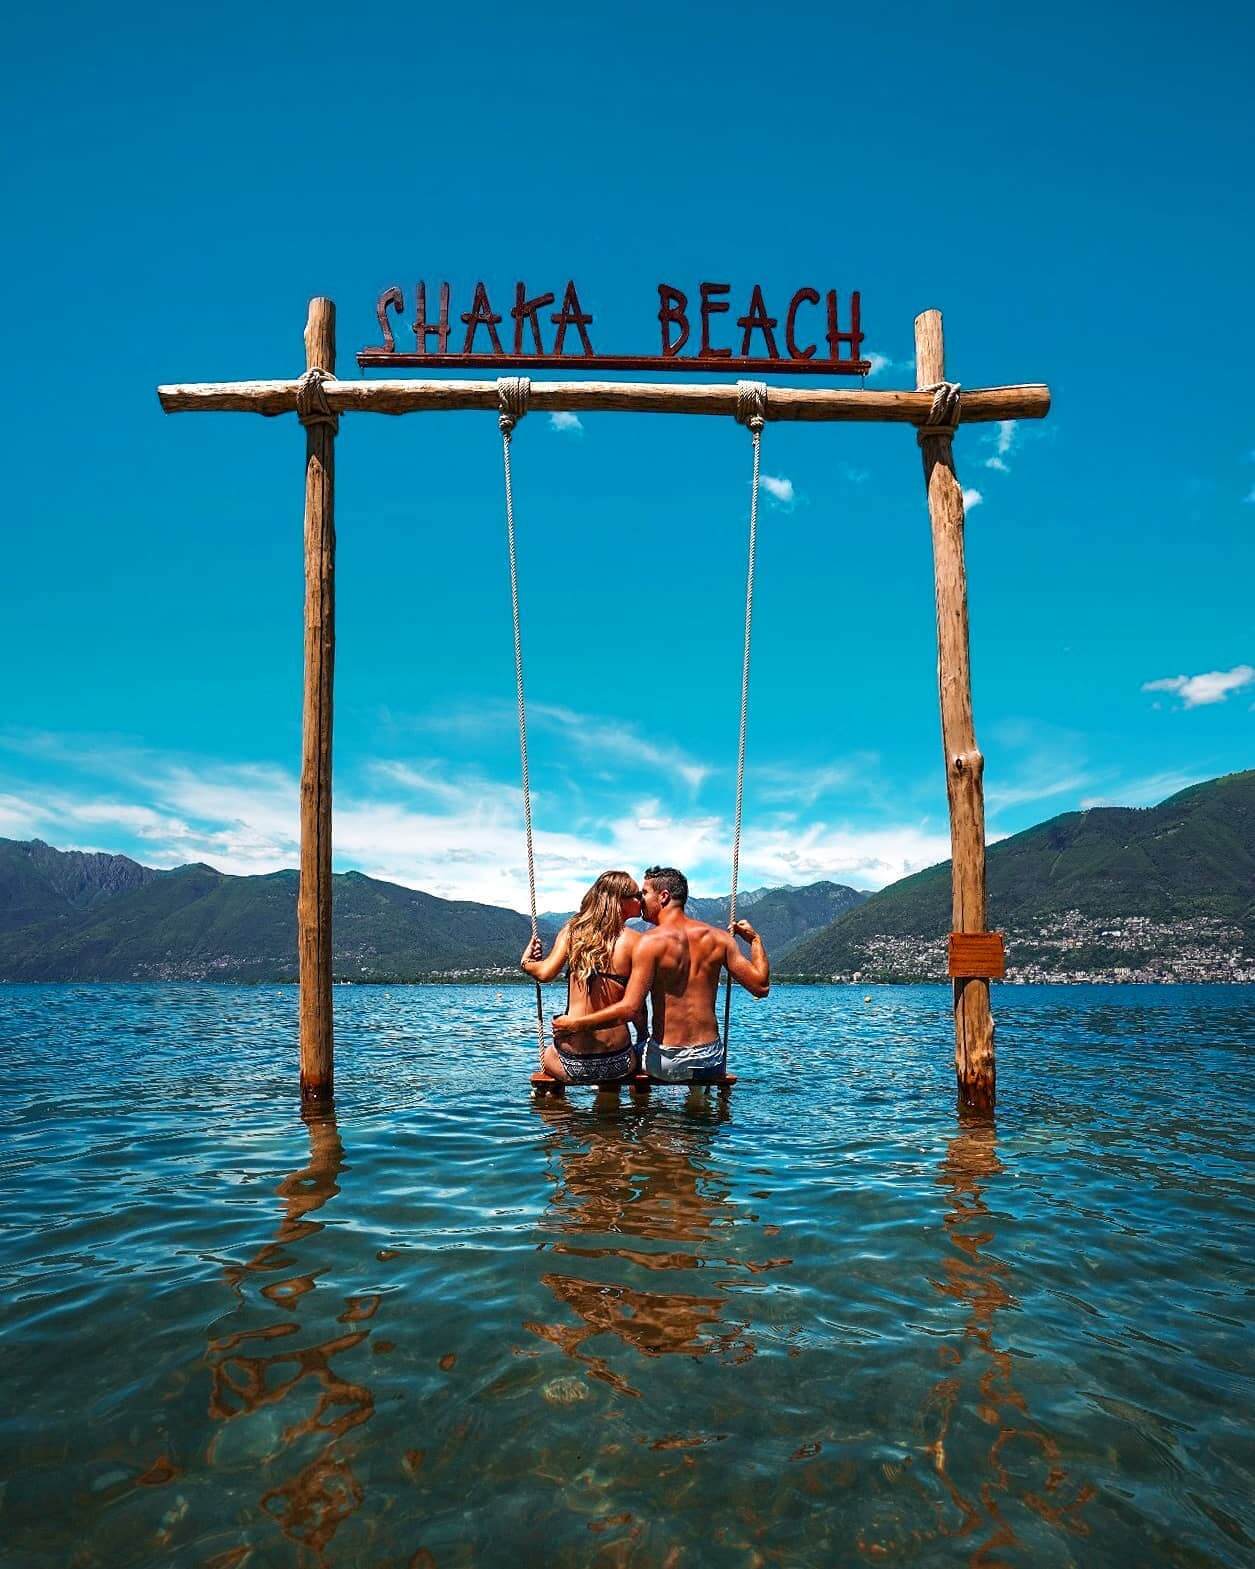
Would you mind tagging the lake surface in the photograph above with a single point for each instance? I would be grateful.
(825, 1323)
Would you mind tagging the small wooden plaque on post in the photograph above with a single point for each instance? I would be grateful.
(977, 955)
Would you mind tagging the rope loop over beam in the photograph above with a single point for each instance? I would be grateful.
(512, 395)
(312, 407)
(751, 404)
(943, 417)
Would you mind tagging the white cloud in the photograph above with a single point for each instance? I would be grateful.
(868, 857)
(802, 784)
(778, 487)
(971, 498)
(878, 362)
(593, 737)
(999, 797)
(561, 420)
(1003, 438)
(18, 818)
(1213, 686)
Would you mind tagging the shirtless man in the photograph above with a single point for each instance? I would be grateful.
(679, 965)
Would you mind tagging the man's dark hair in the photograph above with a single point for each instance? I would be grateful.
(675, 883)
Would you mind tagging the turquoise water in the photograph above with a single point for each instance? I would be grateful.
(825, 1324)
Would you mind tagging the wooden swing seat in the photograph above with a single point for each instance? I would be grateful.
(641, 1083)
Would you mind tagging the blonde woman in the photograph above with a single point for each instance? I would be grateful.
(595, 947)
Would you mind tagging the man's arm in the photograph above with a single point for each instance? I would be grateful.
(753, 973)
(630, 1006)
(544, 969)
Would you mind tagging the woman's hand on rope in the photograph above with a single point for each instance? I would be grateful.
(532, 954)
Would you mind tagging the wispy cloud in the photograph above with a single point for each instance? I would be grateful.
(778, 785)
(878, 363)
(1249, 498)
(779, 488)
(1147, 791)
(560, 419)
(1212, 686)
(866, 857)
(591, 737)
(1041, 788)
(971, 498)
(1003, 438)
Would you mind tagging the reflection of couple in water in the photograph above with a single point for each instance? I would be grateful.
(612, 970)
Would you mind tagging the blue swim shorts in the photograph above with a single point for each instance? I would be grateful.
(684, 1064)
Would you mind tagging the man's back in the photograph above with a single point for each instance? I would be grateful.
(685, 1012)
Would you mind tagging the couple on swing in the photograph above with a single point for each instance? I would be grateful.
(612, 970)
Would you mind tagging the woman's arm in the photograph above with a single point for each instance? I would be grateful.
(545, 969)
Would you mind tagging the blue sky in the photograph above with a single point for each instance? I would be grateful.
(1070, 187)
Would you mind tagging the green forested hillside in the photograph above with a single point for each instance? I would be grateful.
(1182, 870)
(197, 923)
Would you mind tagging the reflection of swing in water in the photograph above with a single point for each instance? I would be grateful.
(636, 1182)
(751, 406)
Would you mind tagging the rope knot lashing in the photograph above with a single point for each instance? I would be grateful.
(943, 417)
(512, 395)
(751, 405)
(312, 407)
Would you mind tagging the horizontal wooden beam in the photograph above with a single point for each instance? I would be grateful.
(860, 406)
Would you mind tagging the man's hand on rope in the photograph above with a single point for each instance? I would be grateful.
(745, 930)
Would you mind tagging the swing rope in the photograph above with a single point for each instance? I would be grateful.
(751, 411)
(512, 396)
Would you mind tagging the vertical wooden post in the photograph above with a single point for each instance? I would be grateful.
(973, 1020)
(313, 905)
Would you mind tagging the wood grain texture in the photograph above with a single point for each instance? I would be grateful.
(976, 954)
(313, 905)
(783, 403)
(973, 1019)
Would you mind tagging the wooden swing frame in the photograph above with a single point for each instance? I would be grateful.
(975, 955)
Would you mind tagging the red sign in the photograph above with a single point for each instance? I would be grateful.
(698, 332)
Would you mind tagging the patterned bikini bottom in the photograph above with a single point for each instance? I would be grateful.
(598, 1067)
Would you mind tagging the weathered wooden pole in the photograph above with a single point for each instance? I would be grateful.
(313, 905)
(973, 1020)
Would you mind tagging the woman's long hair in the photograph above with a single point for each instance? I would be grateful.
(595, 930)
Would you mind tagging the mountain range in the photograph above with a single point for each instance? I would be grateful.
(70, 915)
(1117, 893)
